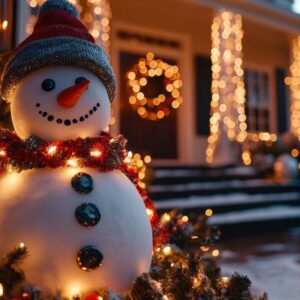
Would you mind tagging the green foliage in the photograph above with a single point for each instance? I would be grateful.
(10, 275)
(175, 274)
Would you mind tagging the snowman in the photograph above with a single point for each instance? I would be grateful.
(84, 229)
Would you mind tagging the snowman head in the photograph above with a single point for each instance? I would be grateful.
(60, 102)
(59, 82)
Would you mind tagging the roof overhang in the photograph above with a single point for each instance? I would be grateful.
(258, 11)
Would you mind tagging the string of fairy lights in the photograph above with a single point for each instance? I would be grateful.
(293, 82)
(159, 107)
(137, 161)
(96, 15)
(228, 103)
(228, 88)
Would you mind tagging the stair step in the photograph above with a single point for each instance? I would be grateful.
(230, 202)
(279, 212)
(201, 178)
(256, 221)
(253, 186)
(172, 175)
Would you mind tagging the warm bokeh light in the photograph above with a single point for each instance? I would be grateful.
(209, 212)
(95, 153)
(293, 82)
(167, 250)
(140, 164)
(4, 25)
(52, 150)
(159, 107)
(228, 88)
(96, 14)
(72, 162)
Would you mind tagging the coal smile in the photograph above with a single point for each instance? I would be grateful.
(68, 122)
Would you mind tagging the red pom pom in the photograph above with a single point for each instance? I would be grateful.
(92, 297)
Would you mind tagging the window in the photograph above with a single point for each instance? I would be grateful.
(257, 100)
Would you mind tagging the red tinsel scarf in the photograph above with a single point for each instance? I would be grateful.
(104, 153)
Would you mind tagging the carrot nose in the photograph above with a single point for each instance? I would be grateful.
(69, 97)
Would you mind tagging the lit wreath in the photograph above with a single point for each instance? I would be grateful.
(161, 106)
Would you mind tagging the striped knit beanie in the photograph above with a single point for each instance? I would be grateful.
(59, 38)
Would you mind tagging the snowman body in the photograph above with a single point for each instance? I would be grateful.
(38, 208)
(43, 209)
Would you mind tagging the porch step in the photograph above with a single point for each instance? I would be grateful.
(209, 188)
(243, 201)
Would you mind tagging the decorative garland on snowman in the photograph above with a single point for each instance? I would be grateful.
(87, 227)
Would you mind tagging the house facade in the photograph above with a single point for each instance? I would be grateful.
(179, 33)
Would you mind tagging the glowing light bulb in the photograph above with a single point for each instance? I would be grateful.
(1, 290)
(215, 253)
(95, 153)
(185, 219)
(204, 248)
(72, 162)
(147, 159)
(4, 25)
(150, 212)
(51, 150)
(167, 250)
(2, 153)
(209, 212)
(295, 152)
(22, 245)
(166, 218)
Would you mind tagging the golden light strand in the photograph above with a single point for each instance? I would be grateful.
(158, 107)
(228, 88)
(294, 82)
(140, 163)
(96, 15)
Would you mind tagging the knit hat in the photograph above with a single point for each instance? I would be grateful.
(59, 38)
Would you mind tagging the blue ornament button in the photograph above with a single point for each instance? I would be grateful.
(88, 215)
(82, 183)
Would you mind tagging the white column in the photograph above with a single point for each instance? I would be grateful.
(22, 17)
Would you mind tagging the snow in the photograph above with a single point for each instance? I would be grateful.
(271, 261)
(218, 185)
(278, 275)
(259, 214)
(226, 199)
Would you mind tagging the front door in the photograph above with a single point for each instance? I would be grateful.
(156, 138)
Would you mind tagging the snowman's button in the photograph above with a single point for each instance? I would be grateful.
(89, 258)
(82, 183)
(88, 215)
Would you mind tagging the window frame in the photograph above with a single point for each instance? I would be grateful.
(272, 105)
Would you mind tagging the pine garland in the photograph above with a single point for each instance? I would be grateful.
(175, 274)
(11, 276)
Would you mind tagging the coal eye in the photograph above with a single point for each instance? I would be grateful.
(80, 80)
(48, 85)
